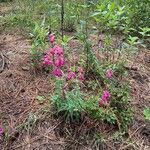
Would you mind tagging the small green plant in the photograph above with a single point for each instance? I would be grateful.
(70, 18)
(39, 42)
(109, 16)
(70, 103)
(145, 34)
(147, 113)
(30, 122)
(116, 110)
(39, 33)
(40, 99)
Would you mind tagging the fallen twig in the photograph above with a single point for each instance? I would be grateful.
(3, 62)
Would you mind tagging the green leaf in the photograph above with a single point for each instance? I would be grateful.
(147, 113)
(40, 99)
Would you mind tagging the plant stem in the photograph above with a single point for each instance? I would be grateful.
(62, 19)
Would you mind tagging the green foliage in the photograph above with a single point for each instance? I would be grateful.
(30, 122)
(70, 103)
(38, 35)
(92, 62)
(101, 114)
(118, 112)
(5, 1)
(145, 34)
(40, 99)
(36, 55)
(109, 16)
(121, 15)
(145, 31)
(147, 113)
(120, 103)
(138, 13)
(70, 18)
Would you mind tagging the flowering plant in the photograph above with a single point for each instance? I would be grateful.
(54, 58)
(66, 99)
(111, 102)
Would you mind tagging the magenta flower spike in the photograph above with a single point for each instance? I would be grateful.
(58, 50)
(106, 95)
(109, 73)
(47, 60)
(104, 98)
(57, 72)
(59, 62)
(52, 51)
(71, 75)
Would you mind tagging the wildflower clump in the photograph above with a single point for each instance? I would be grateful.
(54, 58)
(109, 104)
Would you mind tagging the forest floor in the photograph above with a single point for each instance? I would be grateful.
(29, 123)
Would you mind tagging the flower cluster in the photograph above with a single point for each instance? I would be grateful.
(109, 73)
(78, 75)
(104, 100)
(71, 75)
(54, 57)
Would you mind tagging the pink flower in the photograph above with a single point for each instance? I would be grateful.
(71, 75)
(51, 38)
(109, 73)
(58, 50)
(104, 99)
(80, 73)
(105, 95)
(59, 62)
(47, 61)
(57, 72)
(52, 51)
(1, 131)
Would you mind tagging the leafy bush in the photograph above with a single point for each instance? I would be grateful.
(109, 16)
(38, 44)
(138, 13)
(122, 15)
